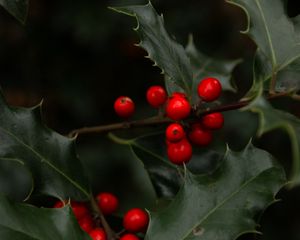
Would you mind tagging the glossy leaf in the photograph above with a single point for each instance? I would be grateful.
(270, 119)
(26, 222)
(278, 40)
(204, 66)
(50, 157)
(162, 49)
(222, 205)
(164, 175)
(17, 8)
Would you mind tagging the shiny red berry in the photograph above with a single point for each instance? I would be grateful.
(124, 107)
(129, 236)
(175, 132)
(136, 220)
(79, 208)
(107, 202)
(178, 108)
(199, 135)
(213, 121)
(209, 89)
(156, 96)
(98, 234)
(178, 94)
(86, 223)
(179, 152)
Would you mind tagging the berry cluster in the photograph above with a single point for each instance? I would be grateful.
(177, 107)
(134, 221)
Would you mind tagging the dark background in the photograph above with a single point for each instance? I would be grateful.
(79, 56)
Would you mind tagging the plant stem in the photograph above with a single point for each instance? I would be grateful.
(273, 83)
(164, 120)
(111, 235)
(123, 125)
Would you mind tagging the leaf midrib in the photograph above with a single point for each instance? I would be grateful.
(273, 56)
(45, 160)
(230, 196)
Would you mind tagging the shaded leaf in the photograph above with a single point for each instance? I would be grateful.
(224, 204)
(17, 8)
(204, 66)
(162, 49)
(50, 157)
(270, 119)
(164, 175)
(19, 221)
(278, 41)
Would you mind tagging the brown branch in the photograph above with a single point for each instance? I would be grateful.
(111, 235)
(163, 120)
(117, 126)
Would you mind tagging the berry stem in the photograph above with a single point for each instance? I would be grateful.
(111, 235)
(157, 120)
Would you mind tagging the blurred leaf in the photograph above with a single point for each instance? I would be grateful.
(17, 8)
(19, 221)
(224, 204)
(270, 119)
(278, 40)
(49, 156)
(204, 66)
(162, 49)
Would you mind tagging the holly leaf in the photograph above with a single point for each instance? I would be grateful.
(271, 119)
(224, 204)
(17, 8)
(50, 157)
(204, 66)
(162, 49)
(19, 221)
(164, 175)
(278, 41)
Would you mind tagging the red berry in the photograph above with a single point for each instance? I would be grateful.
(199, 135)
(175, 132)
(98, 234)
(180, 152)
(107, 202)
(156, 96)
(178, 94)
(129, 236)
(79, 208)
(59, 204)
(178, 108)
(209, 89)
(136, 220)
(86, 223)
(213, 121)
(124, 107)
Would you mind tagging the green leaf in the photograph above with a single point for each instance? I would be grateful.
(270, 119)
(204, 66)
(165, 176)
(224, 204)
(50, 157)
(162, 49)
(278, 39)
(26, 222)
(17, 8)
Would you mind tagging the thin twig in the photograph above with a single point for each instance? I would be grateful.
(111, 235)
(164, 120)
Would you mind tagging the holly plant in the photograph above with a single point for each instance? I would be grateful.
(209, 193)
